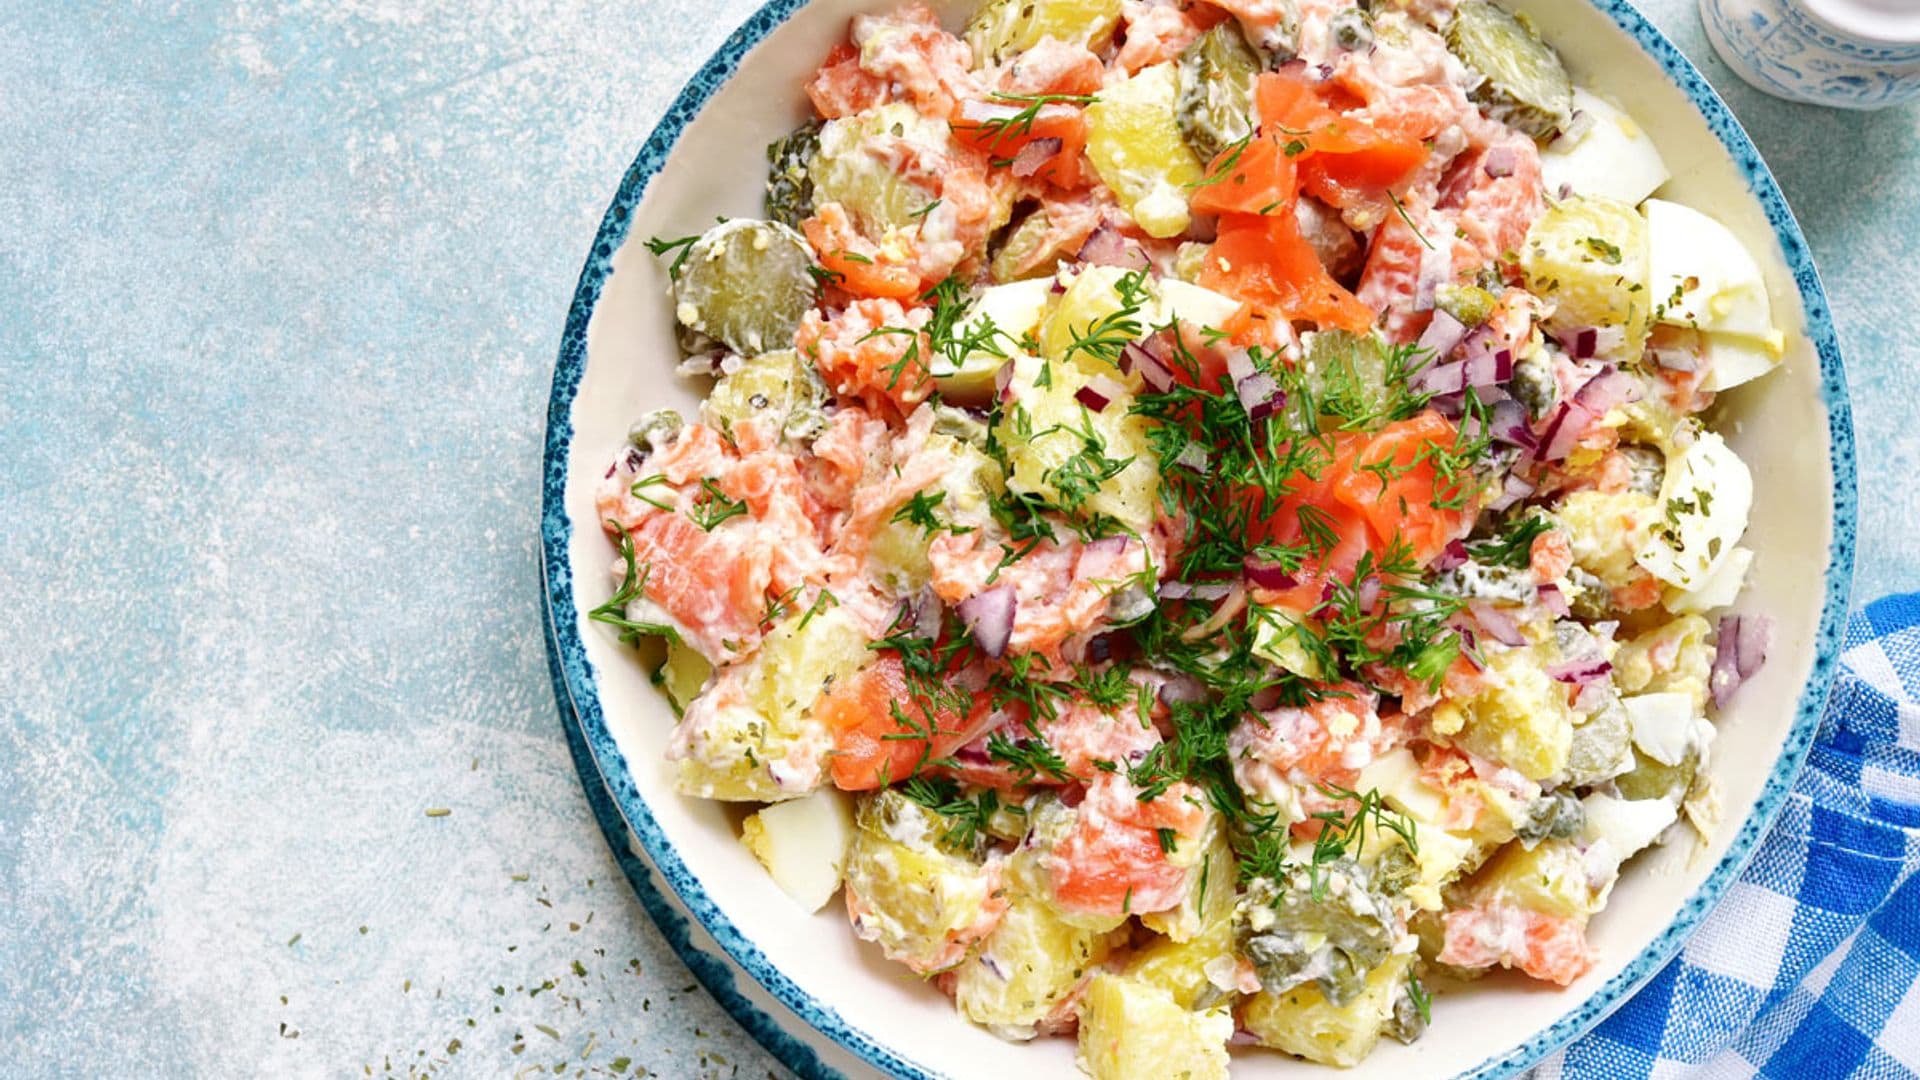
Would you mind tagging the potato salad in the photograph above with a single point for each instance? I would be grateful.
(1202, 535)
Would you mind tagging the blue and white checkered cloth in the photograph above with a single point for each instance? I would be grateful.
(1810, 967)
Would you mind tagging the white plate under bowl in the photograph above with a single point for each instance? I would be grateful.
(860, 1013)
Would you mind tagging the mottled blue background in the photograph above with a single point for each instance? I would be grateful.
(280, 286)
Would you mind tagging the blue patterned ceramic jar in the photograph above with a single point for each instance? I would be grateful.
(1850, 54)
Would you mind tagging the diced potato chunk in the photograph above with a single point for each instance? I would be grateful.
(1204, 928)
(761, 744)
(1133, 1030)
(1014, 310)
(1301, 1020)
(683, 674)
(847, 171)
(1520, 716)
(1136, 147)
(1672, 657)
(803, 844)
(1083, 460)
(1001, 29)
(1025, 970)
(1551, 878)
(1589, 257)
(925, 906)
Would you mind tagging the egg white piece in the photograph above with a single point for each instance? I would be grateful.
(1732, 359)
(1015, 309)
(803, 843)
(1609, 155)
(1182, 300)
(1702, 276)
(1704, 504)
(1662, 724)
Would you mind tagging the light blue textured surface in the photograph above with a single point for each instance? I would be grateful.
(280, 285)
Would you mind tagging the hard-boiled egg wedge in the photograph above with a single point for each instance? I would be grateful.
(1702, 276)
(1190, 303)
(1662, 724)
(1734, 358)
(1720, 588)
(1704, 503)
(1014, 309)
(1616, 829)
(1606, 154)
(803, 844)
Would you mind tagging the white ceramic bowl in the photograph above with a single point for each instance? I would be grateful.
(828, 1003)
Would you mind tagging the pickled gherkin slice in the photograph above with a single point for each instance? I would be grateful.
(1347, 374)
(746, 284)
(1525, 86)
(1649, 779)
(1334, 939)
(1470, 304)
(1215, 107)
(790, 175)
(779, 387)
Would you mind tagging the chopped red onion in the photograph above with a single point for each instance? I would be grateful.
(927, 615)
(1580, 671)
(1568, 422)
(1673, 359)
(1266, 575)
(1498, 624)
(1451, 557)
(1369, 592)
(1487, 369)
(1609, 389)
(1580, 343)
(1035, 155)
(1448, 378)
(1515, 490)
(1742, 645)
(1268, 407)
(1100, 648)
(1182, 688)
(1107, 247)
(1577, 127)
(1257, 395)
(1212, 591)
(1175, 590)
(1192, 456)
(1436, 266)
(1151, 368)
(1441, 335)
(1003, 382)
(988, 616)
(1256, 389)
(1508, 423)
(1099, 392)
(1107, 545)
(1500, 162)
(1554, 601)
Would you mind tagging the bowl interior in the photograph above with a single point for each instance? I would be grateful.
(1779, 425)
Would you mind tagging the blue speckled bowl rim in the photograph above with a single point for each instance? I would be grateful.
(577, 692)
